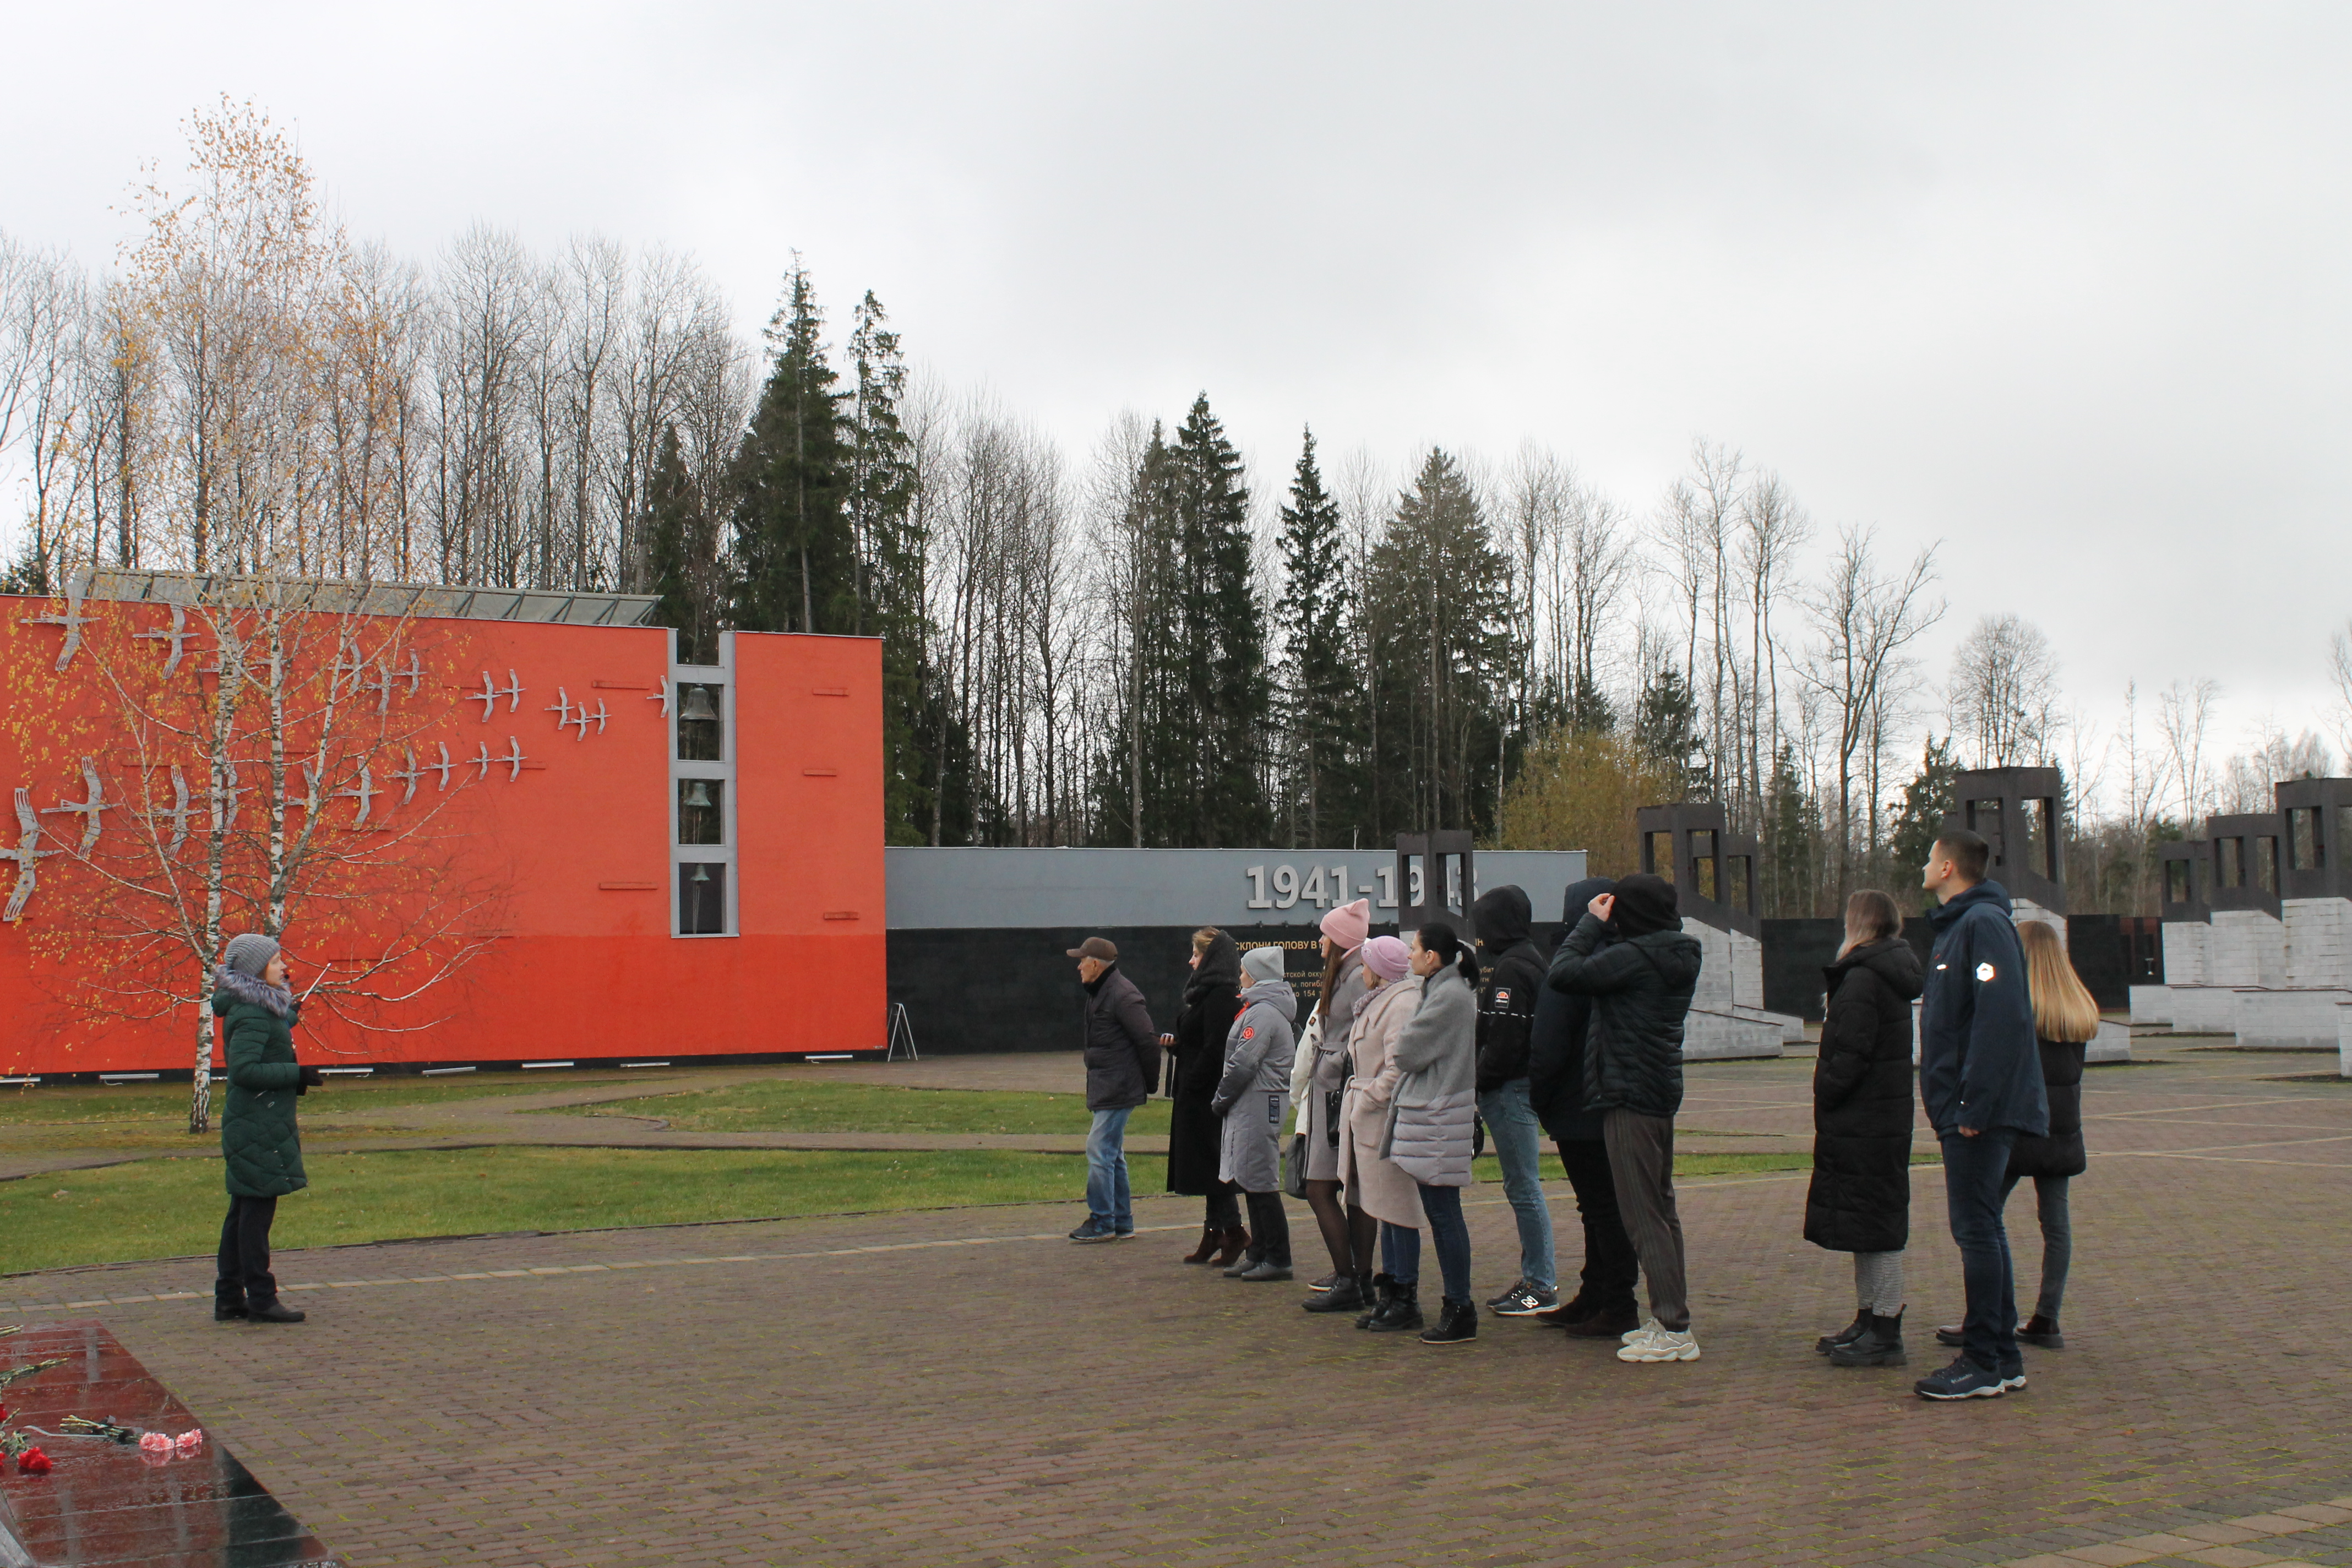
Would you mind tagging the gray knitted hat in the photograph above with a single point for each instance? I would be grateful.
(250, 953)
(1262, 964)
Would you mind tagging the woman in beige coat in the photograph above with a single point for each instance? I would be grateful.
(1378, 1190)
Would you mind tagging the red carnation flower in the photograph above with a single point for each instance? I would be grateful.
(33, 1462)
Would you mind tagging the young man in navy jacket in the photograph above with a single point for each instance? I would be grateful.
(1981, 1080)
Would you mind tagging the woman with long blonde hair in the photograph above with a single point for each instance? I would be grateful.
(2065, 1019)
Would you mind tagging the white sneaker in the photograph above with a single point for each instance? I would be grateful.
(1662, 1344)
(1649, 1326)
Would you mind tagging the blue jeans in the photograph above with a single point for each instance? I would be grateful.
(1519, 1145)
(1975, 1173)
(1401, 1253)
(1447, 1228)
(1106, 1194)
(2057, 1240)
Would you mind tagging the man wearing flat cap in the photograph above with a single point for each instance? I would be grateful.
(1122, 1064)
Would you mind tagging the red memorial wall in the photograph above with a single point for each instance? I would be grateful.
(520, 903)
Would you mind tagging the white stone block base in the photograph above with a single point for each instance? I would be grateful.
(2185, 943)
(1791, 1027)
(1747, 972)
(2245, 947)
(2318, 942)
(1710, 1036)
(2203, 1009)
(2344, 1039)
(2112, 1045)
(2151, 1003)
(2290, 1020)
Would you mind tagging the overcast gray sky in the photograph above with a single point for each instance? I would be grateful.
(2064, 286)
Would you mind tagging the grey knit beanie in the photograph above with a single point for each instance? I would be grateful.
(1262, 964)
(250, 953)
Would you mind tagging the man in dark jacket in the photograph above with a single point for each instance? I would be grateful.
(1506, 1010)
(1603, 1306)
(1641, 990)
(1122, 1064)
(1981, 1080)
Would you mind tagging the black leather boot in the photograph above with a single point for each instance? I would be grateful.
(1353, 1291)
(1880, 1343)
(273, 1312)
(1844, 1336)
(1377, 1301)
(1456, 1322)
(1402, 1313)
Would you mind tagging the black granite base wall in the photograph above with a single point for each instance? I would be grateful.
(1007, 990)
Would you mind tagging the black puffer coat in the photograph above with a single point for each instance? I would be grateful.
(1556, 1057)
(2062, 1152)
(1122, 1052)
(1212, 999)
(1641, 990)
(1506, 1000)
(1860, 1200)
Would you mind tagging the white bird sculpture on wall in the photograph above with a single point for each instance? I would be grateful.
(443, 766)
(73, 620)
(480, 763)
(27, 851)
(409, 774)
(600, 716)
(512, 690)
(363, 790)
(562, 709)
(87, 810)
(414, 674)
(180, 813)
(488, 696)
(177, 636)
(512, 756)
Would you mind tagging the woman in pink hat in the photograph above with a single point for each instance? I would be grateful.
(1344, 929)
(1378, 1188)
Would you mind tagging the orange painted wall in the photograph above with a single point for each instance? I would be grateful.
(580, 969)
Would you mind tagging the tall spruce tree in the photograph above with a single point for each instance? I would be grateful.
(887, 532)
(1665, 728)
(681, 555)
(1932, 795)
(1226, 691)
(1439, 595)
(1322, 698)
(796, 558)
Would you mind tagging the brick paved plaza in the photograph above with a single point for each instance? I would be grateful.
(965, 1387)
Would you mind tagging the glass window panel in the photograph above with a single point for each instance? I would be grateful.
(701, 730)
(702, 899)
(701, 811)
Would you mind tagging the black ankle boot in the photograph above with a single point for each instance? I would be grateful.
(1402, 1313)
(1377, 1301)
(1456, 1322)
(1880, 1343)
(273, 1312)
(1353, 1292)
(1844, 1336)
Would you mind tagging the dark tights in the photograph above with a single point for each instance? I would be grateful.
(1331, 1219)
(1225, 1211)
(1363, 1240)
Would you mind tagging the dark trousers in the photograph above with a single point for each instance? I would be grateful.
(1606, 1283)
(1442, 1209)
(1974, 1185)
(243, 1277)
(1641, 1161)
(1224, 1207)
(1269, 1229)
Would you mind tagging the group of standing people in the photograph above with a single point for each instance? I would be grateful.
(1409, 1052)
(1409, 1049)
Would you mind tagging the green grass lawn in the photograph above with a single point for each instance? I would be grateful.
(167, 1208)
(165, 1104)
(164, 1208)
(804, 1105)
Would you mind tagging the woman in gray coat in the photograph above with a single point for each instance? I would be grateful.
(1251, 1097)
(1433, 1072)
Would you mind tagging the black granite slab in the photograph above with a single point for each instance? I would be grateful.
(115, 1504)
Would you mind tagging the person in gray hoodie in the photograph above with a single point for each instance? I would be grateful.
(1641, 990)
(1251, 1099)
(1434, 1070)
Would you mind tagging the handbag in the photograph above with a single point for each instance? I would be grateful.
(1294, 1166)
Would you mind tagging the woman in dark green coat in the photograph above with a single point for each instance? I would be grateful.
(260, 1148)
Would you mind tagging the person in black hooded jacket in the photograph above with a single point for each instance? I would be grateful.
(1211, 1001)
(1506, 1009)
(1860, 1200)
(1603, 1306)
(1641, 989)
